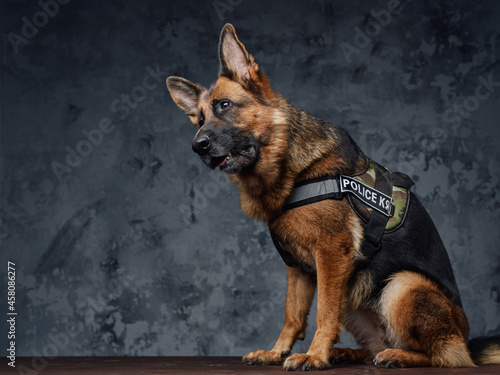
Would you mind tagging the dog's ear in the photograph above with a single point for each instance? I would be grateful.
(185, 94)
(235, 61)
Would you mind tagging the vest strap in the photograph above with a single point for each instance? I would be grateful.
(378, 197)
(312, 191)
(285, 255)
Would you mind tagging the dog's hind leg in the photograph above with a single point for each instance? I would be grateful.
(394, 358)
(423, 326)
(364, 325)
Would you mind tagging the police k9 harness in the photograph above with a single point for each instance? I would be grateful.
(378, 196)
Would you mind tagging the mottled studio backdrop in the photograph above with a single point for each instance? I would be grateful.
(125, 244)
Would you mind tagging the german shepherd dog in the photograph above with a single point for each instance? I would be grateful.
(400, 315)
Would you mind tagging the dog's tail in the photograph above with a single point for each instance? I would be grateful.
(485, 350)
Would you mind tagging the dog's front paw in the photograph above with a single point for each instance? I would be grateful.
(264, 357)
(305, 362)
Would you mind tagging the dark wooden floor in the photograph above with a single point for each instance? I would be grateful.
(194, 366)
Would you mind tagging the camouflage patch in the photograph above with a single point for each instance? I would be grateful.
(400, 201)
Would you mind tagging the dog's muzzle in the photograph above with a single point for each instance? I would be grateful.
(226, 148)
(201, 145)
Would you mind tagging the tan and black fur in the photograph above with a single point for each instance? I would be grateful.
(401, 317)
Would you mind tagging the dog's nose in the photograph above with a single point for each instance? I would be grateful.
(201, 144)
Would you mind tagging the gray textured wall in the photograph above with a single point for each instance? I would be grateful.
(136, 248)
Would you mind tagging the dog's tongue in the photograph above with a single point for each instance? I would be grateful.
(223, 161)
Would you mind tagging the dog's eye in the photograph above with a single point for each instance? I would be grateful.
(225, 105)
